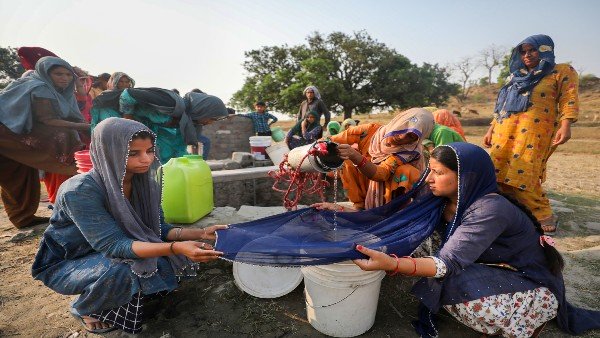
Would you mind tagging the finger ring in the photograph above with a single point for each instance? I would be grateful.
(202, 246)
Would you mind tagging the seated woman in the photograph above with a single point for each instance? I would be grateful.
(304, 132)
(387, 161)
(106, 104)
(495, 272)
(107, 240)
(40, 124)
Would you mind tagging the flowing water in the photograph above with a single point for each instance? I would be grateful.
(335, 191)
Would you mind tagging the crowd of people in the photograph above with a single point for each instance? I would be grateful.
(495, 269)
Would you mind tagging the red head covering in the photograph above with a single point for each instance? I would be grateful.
(446, 118)
(30, 55)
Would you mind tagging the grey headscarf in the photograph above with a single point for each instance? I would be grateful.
(113, 81)
(140, 218)
(15, 100)
(199, 106)
(314, 89)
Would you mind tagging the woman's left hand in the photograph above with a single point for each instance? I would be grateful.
(377, 260)
(209, 232)
(563, 134)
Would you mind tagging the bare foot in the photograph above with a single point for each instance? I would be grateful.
(92, 324)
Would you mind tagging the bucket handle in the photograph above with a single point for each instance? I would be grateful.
(322, 306)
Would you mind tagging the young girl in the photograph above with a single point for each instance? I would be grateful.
(107, 240)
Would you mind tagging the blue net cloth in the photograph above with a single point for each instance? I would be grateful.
(309, 236)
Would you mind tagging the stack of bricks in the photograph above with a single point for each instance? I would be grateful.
(227, 136)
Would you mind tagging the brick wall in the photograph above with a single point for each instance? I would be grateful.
(227, 136)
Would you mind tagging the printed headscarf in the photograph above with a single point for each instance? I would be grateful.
(446, 118)
(314, 89)
(417, 121)
(139, 218)
(15, 100)
(113, 81)
(514, 97)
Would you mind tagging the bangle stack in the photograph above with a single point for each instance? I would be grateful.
(397, 270)
(178, 233)
(414, 266)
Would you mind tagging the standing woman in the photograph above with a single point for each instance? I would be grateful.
(39, 130)
(107, 240)
(533, 116)
(106, 104)
(314, 103)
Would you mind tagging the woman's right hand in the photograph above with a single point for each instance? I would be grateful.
(487, 139)
(347, 152)
(198, 252)
(328, 206)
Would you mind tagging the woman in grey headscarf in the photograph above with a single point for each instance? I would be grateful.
(39, 129)
(313, 102)
(107, 240)
(203, 109)
(106, 104)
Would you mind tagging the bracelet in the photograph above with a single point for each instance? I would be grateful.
(178, 233)
(362, 162)
(171, 248)
(396, 270)
(414, 266)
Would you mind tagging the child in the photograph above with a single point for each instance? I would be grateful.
(260, 119)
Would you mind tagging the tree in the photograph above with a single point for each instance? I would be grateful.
(504, 69)
(490, 58)
(465, 68)
(354, 73)
(10, 66)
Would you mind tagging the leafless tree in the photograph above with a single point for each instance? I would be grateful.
(490, 58)
(465, 69)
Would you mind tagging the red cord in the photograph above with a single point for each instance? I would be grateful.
(299, 182)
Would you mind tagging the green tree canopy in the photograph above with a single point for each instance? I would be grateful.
(10, 66)
(354, 74)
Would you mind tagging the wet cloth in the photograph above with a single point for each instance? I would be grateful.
(397, 176)
(446, 118)
(515, 96)
(78, 256)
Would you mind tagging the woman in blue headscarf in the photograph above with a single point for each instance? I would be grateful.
(533, 116)
(40, 123)
(496, 272)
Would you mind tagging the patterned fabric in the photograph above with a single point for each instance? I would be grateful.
(510, 314)
(522, 143)
(440, 267)
(536, 200)
(446, 118)
(127, 317)
(261, 121)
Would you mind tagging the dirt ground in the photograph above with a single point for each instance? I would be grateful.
(211, 305)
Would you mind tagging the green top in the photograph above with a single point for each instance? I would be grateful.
(443, 135)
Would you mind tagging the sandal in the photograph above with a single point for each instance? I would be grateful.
(85, 326)
(551, 222)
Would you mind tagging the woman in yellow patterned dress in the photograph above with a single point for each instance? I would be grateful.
(533, 116)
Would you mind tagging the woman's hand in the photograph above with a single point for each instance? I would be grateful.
(377, 260)
(347, 152)
(198, 252)
(487, 139)
(563, 134)
(209, 232)
(330, 206)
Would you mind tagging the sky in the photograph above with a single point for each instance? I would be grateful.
(187, 44)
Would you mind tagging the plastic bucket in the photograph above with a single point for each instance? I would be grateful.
(266, 281)
(258, 145)
(341, 299)
(277, 152)
(83, 161)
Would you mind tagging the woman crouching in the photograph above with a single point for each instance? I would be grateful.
(107, 239)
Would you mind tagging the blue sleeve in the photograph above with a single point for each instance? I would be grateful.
(85, 207)
(313, 134)
(164, 227)
(272, 117)
(482, 223)
(248, 115)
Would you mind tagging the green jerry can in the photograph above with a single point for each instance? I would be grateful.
(187, 189)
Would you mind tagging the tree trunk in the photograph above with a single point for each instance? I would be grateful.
(347, 112)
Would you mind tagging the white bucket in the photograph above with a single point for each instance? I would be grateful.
(276, 152)
(341, 299)
(258, 144)
(266, 281)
